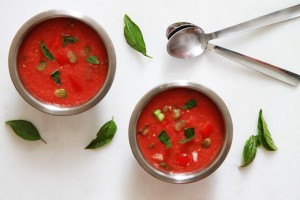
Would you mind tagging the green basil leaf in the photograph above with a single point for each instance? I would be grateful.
(46, 51)
(25, 130)
(189, 134)
(56, 76)
(189, 104)
(249, 151)
(264, 134)
(104, 135)
(164, 138)
(93, 59)
(69, 40)
(134, 36)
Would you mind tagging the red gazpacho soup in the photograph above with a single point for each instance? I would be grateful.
(62, 61)
(180, 130)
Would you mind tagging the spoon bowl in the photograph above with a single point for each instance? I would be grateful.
(187, 42)
(175, 27)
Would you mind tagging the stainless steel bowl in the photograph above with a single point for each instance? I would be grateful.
(182, 177)
(49, 108)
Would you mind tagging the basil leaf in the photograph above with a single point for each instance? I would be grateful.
(189, 104)
(56, 76)
(104, 135)
(69, 40)
(264, 134)
(189, 134)
(164, 138)
(25, 130)
(46, 51)
(93, 59)
(134, 36)
(249, 151)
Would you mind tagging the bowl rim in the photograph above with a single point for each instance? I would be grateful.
(181, 177)
(52, 108)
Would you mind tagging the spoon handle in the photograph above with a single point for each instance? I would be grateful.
(260, 66)
(272, 18)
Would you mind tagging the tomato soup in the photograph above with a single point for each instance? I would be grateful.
(180, 130)
(62, 61)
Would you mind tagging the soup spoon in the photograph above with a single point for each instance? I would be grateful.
(187, 40)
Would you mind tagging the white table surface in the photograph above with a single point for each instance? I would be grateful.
(62, 169)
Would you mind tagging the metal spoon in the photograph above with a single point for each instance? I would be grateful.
(271, 18)
(187, 41)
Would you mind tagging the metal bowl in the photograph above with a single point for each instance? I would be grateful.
(181, 177)
(50, 108)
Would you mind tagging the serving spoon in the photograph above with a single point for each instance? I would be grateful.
(187, 40)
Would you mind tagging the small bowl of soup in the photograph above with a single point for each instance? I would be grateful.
(180, 132)
(62, 62)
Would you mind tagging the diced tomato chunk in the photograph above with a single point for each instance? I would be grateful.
(75, 84)
(62, 60)
(206, 130)
(182, 159)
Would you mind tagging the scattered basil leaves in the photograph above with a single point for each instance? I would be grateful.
(249, 151)
(56, 76)
(165, 139)
(104, 135)
(189, 104)
(67, 39)
(264, 134)
(93, 60)
(46, 51)
(25, 130)
(134, 36)
(189, 134)
(262, 138)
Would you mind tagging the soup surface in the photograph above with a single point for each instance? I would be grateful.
(62, 61)
(180, 130)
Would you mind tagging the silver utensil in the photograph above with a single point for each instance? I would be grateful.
(187, 40)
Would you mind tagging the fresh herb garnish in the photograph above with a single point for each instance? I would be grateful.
(69, 40)
(56, 76)
(93, 60)
(189, 104)
(134, 36)
(104, 135)
(25, 130)
(250, 149)
(189, 134)
(46, 51)
(164, 138)
(264, 134)
(263, 138)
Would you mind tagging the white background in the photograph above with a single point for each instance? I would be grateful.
(62, 169)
